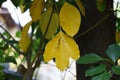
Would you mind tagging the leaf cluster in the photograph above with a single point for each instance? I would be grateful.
(102, 68)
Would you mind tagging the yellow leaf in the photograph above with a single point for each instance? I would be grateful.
(53, 24)
(81, 7)
(36, 9)
(25, 38)
(62, 48)
(70, 19)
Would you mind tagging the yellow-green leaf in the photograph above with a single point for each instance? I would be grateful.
(62, 48)
(117, 36)
(21, 5)
(48, 24)
(36, 9)
(81, 7)
(25, 38)
(70, 19)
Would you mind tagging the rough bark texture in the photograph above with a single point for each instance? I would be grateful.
(98, 39)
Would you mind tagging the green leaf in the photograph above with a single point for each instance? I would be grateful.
(1, 56)
(113, 52)
(116, 69)
(101, 5)
(10, 59)
(18, 34)
(12, 77)
(16, 2)
(2, 42)
(89, 58)
(27, 4)
(50, 26)
(1, 67)
(2, 77)
(103, 76)
(6, 35)
(95, 70)
(1, 1)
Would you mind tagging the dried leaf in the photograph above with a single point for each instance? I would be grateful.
(25, 38)
(70, 19)
(61, 47)
(51, 26)
(36, 9)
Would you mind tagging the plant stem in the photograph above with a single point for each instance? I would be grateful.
(37, 60)
(7, 32)
(93, 27)
(42, 41)
(10, 44)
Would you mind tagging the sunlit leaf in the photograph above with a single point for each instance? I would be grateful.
(49, 25)
(81, 7)
(36, 9)
(2, 75)
(101, 5)
(25, 38)
(62, 47)
(70, 19)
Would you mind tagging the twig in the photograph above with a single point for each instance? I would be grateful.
(37, 60)
(41, 43)
(7, 32)
(93, 27)
(72, 73)
(10, 44)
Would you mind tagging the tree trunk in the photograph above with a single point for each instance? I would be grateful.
(98, 39)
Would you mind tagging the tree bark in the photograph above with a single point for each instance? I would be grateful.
(98, 39)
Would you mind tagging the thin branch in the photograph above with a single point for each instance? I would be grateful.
(10, 44)
(41, 43)
(93, 27)
(72, 73)
(37, 60)
(7, 32)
